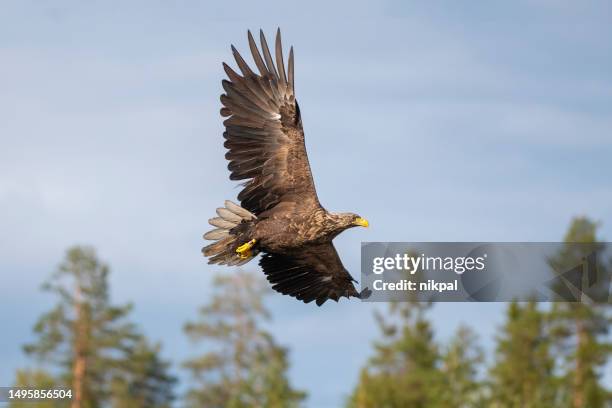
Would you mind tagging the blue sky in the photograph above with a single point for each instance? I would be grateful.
(480, 121)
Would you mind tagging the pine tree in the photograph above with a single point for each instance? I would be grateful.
(522, 374)
(144, 380)
(88, 341)
(36, 379)
(244, 367)
(460, 365)
(580, 329)
(404, 371)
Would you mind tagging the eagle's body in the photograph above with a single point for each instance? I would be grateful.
(280, 214)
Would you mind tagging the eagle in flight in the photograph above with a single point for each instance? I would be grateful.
(279, 213)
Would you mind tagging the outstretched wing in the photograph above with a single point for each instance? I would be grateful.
(314, 273)
(264, 132)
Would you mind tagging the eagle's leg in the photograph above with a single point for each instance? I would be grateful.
(244, 250)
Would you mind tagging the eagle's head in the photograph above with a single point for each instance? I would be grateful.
(349, 220)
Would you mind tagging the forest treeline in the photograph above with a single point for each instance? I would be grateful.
(546, 355)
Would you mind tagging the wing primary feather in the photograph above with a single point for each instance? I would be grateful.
(290, 75)
(267, 56)
(244, 122)
(231, 74)
(237, 97)
(257, 56)
(244, 67)
(242, 109)
(280, 64)
(252, 86)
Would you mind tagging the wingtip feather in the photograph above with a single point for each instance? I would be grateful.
(280, 63)
(291, 74)
(257, 56)
(267, 55)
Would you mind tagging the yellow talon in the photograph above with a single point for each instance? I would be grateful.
(245, 255)
(244, 250)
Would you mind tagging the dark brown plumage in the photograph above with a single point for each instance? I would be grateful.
(280, 214)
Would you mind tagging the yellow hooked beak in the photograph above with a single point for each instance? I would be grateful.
(362, 222)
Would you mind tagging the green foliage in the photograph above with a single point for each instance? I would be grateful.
(551, 357)
(544, 357)
(404, 371)
(460, 363)
(580, 330)
(144, 380)
(89, 341)
(244, 366)
(522, 374)
(37, 379)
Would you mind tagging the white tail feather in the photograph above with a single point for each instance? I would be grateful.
(222, 250)
(221, 223)
(241, 212)
(228, 215)
(216, 234)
